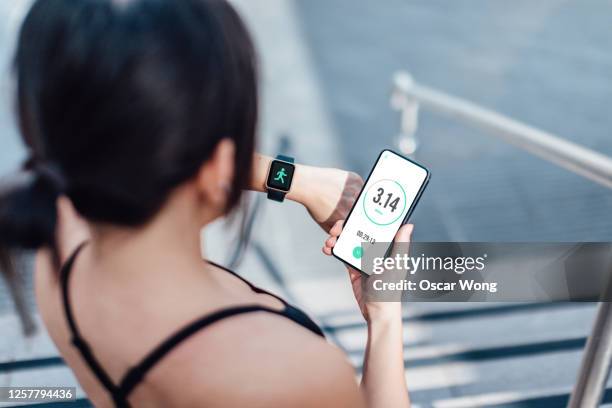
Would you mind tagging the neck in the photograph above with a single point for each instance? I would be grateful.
(168, 245)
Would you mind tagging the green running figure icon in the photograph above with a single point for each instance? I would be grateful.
(280, 175)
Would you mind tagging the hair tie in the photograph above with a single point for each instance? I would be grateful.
(54, 175)
(48, 171)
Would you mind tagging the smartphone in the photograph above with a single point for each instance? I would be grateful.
(388, 197)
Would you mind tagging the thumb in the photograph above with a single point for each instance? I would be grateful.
(402, 239)
(404, 234)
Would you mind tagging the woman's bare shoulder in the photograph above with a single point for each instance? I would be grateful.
(256, 359)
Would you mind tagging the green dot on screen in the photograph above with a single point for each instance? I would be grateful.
(357, 252)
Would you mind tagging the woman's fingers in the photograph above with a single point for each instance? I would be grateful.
(337, 228)
(333, 237)
(402, 239)
(331, 241)
(404, 234)
(329, 244)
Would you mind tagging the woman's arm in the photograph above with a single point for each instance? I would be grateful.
(383, 381)
(328, 194)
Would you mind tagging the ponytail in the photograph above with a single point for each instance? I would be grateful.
(28, 211)
(28, 216)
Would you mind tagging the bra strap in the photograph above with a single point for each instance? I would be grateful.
(76, 338)
(137, 373)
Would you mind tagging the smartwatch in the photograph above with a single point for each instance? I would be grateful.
(279, 177)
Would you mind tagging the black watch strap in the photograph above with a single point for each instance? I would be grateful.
(275, 194)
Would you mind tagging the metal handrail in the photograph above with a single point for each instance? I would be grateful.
(407, 97)
(595, 368)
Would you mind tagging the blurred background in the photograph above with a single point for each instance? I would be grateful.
(327, 69)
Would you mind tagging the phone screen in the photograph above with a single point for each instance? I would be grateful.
(386, 200)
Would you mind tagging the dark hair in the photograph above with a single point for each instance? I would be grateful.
(121, 101)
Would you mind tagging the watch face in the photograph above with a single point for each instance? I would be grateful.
(280, 176)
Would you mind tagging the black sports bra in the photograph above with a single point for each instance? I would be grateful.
(120, 392)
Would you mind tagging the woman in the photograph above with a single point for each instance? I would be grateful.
(140, 116)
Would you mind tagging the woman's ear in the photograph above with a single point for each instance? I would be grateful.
(215, 177)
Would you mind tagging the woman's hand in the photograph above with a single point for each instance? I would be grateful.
(327, 193)
(371, 311)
